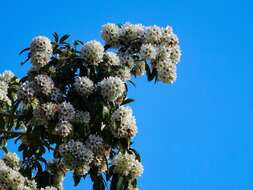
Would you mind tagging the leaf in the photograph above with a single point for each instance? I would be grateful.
(56, 36)
(24, 50)
(98, 183)
(148, 71)
(65, 37)
(77, 179)
(27, 59)
(3, 142)
(120, 183)
(127, 101)
(131, 82)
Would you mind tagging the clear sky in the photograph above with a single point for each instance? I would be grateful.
(193, 135)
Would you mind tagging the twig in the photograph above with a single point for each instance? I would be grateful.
(12, 132)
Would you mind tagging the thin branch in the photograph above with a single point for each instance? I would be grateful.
(10, 115)
(12, 132)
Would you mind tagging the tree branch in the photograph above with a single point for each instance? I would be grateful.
(12, 132)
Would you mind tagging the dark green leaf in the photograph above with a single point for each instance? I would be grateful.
(24, 50)
(77, 179)
(56, 36)
(65, 37)
(127, 101)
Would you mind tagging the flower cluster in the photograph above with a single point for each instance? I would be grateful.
(76, 156)
(41, 51)
(123, 123)
(6, 80)
(127, 165)
(112, 88)
(158, 45)
(10, 178)
(72, 101)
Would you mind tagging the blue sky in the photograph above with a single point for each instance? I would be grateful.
(193, 135)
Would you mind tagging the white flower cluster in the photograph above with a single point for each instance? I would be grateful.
(123, 73)
(123, 124)
(127, 165)
(66, 111)
(100, 150)
(84, 86)
(76, 156)
(41, 51)
(92, 52)
(112, 88)
(45, 84)
(111, 33)
(26, 91)
(111, 58)
(5, 79)
(10, 178)
(158, 44)
(12, 161)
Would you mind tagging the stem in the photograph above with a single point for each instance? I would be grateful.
(11, 132)
(9, 115)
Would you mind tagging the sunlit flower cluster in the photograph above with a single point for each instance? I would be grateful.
(127, 165)
(73, 102)
(41, 51)
(123, 123)
(112, 88)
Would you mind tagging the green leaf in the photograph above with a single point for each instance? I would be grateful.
(127, 101)
(65, 37)
(24, 50)
(77, 179)
(56, 37)
(120, 183)
(27, 59)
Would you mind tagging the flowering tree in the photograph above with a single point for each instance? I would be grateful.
(71, 105)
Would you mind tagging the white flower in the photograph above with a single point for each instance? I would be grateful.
(84, 86)
(127, 165)
(112, 88)
(123, 124)
(63, 129)
(95, 143)
(45, 84)
(39, 59)
(111, 33)
(148, 51)
(166, 71)
(153, 34)
(6, 76)
(175, 54)
(167, 33)
(76, 156)
(131, 32)
(56, 95)
(127, 60)
(49, 109)
(4, 92)
(111, 58)
(92, 52)
(66, 111)
(12, 160)
(41, 44)
(26, 91)
(123, 73)
(82, 117)
(10, 177)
